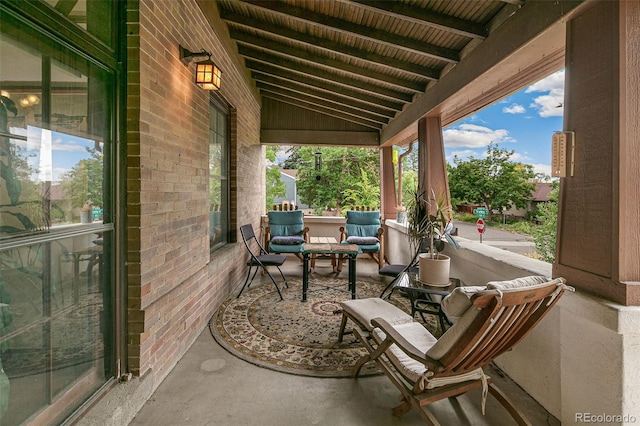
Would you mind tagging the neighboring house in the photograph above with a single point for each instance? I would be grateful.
(290, 179)
(540, 194)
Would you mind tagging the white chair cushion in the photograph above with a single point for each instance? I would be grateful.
(452, 335)
(458, 301)
(419, 337)
(517, 283)
(364, 310)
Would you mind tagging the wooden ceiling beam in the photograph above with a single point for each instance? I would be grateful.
(331, 46)
(346, 99)
(317, 77)
(292, 52)
(425, 17)
(350, 28)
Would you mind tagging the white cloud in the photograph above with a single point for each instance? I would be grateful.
(551, 104)
(58, 172)
(474, 136)
(514, 109)
(68, 145)
(544, 169)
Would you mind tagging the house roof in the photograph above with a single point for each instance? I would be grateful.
(541, 191)
(290, 172)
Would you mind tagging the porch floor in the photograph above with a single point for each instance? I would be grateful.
(209, 386)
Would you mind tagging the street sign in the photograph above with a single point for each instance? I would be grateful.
(480, 226)
(481, 212)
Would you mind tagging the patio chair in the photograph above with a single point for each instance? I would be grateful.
(425, 369)
(363, 229)
(260, 258)
(285, 232)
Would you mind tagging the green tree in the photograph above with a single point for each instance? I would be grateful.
(544, 235)
(275, 186)
(83, 183)
(342, 170)
(293, 158)
(364, 193)
(494, 181)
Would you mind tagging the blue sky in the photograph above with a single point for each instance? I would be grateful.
(523, 122)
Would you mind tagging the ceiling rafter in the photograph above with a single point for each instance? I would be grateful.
(367, 32)
(316, 106)
(341, 101)
(332, 46)
(351, 97)
(255, 60)
(292, 52)
(423, 16)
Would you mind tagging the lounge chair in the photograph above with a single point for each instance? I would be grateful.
(425, 369)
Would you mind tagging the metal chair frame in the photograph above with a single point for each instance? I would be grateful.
(260, 260)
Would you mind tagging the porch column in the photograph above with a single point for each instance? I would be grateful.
(599, 216)
(387, 184)
(432, 166)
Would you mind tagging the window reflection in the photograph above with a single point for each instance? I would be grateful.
(218, 179)
(51, 142)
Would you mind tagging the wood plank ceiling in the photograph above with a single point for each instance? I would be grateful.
(360, 62)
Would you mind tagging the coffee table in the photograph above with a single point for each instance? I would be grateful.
(314, 249)
(425, 298)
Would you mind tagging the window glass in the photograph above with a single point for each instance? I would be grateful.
(218, 178)
(52, 142)
(56, 298)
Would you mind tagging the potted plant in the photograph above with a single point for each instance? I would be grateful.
(430, 227)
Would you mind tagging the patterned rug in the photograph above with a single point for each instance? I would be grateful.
(293, 336)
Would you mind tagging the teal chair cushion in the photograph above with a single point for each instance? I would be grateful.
(362, 229)
(287, 228)
(362, 224)
(286, 223)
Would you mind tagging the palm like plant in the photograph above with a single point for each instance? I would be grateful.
(430, 220)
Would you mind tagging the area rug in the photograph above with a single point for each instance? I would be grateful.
(293, 336)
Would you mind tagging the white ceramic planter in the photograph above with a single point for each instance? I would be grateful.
(434, 271)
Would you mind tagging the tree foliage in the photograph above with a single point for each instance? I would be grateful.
(83, 183)
(493, 181)
(275, 186)
(544, 235)
(348, 177)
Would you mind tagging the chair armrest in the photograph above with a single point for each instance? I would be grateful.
(267, 237)
(404, 344)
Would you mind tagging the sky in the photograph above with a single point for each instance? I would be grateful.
(523, 122)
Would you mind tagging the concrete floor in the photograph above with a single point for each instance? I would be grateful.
(209, 386)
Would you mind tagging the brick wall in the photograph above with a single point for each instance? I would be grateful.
(173, 285)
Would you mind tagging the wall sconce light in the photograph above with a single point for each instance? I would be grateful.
(208, 75)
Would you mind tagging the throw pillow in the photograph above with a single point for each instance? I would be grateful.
(289, 240)
(363, 240)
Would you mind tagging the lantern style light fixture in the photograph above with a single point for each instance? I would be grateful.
(208, 75)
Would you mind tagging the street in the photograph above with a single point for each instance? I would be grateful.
(495, 237)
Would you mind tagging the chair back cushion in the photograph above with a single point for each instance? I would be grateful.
(362, 224)
(286, 223)
(451, 336)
